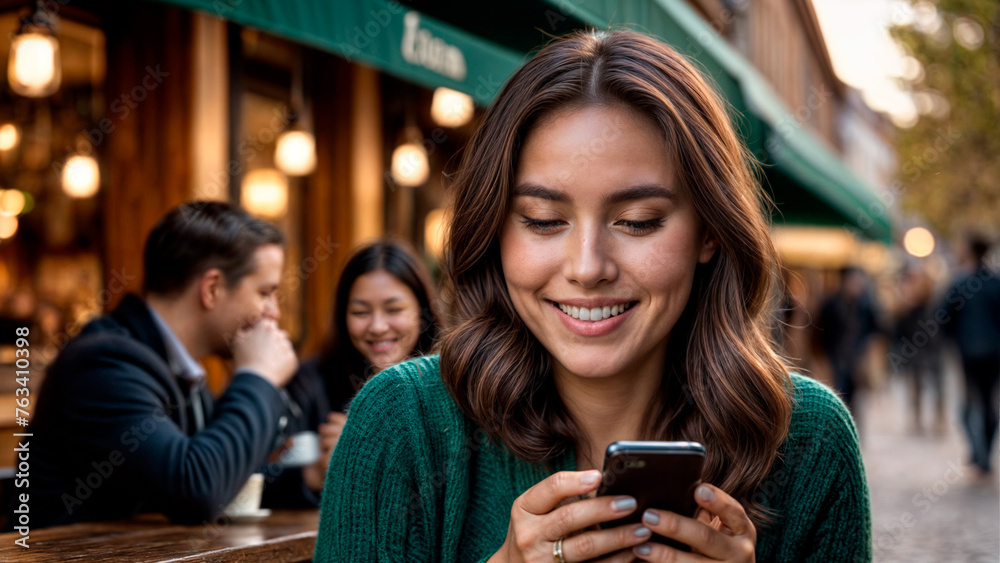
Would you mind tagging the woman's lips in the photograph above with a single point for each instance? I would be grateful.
(590, 328)
(596, 313)
(380, 346)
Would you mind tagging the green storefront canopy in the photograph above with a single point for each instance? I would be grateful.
(809, 183)
(383, 34)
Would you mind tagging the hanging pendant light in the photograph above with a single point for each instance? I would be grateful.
(295, 153)
(451, 108)
(35, 69)
(264, 193)
(10, 136)
(410, 167)
(81, 176)
(295, 150)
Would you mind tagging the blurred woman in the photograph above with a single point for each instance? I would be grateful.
(384, 312)
(613, 274)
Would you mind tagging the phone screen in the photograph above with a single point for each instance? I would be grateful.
(660, 475)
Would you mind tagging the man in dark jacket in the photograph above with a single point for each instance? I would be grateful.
(124, 423)
(972, 319)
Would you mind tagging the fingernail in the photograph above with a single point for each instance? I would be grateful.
(590, 478)
(642, 532)
(650, 517)
(705, 494)
(623, 504)
(644, 549)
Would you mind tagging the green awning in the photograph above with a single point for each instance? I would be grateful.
(382, 34)
(810, 183)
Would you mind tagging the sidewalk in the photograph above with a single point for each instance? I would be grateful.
(925, 507)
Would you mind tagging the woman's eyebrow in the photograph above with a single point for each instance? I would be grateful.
(534, 190)
(640, 192)
(632, 193)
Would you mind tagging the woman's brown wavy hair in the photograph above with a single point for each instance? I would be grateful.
(723, 384)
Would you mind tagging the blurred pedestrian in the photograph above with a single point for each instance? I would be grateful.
(916, 348)
(847, 324)
(972, 307)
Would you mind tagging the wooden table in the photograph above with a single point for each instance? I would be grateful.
(284, 536)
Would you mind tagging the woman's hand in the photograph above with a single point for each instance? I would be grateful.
(721, 532)
(329, 432)
(539, 519)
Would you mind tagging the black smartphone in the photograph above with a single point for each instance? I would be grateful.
(660, 475)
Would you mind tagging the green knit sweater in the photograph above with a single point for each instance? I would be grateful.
(412, 479)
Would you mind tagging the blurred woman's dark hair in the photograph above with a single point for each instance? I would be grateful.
(345, 369)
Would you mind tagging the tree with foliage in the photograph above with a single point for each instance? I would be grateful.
(949, 162)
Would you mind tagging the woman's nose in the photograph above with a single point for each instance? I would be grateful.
(380, 322)
(589, 258)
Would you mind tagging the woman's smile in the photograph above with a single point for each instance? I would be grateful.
(593, 321)
(593, 313)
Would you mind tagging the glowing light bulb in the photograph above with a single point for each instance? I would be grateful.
(9, 136)
(409, 165)
(11, 202)
(8, 226)
(451, 108)
(435, 227)
(919, 242)
(81, 177)
(295, 153)
(265, 193)
(34, 67)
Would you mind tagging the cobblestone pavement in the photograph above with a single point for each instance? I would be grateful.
(927, 505)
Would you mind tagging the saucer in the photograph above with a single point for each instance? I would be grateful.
(258, 514)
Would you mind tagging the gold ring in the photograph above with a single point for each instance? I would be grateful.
(557, 551)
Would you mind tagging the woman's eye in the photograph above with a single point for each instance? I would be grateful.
(540, 225)
(359, 313)
(394, 311)
(641, 227)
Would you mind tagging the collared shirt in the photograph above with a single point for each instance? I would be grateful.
(180, 361)
(183, 366)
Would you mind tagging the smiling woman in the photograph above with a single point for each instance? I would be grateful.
(384, 312)
(611, 273)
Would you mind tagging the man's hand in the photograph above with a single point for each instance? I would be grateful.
(265, 349)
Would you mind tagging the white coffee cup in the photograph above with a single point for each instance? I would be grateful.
(247, 501)
(303, 451)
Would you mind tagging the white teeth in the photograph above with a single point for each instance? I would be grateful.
(593, 314)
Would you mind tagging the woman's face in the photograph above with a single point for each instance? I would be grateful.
(600, 247)
(383, 318)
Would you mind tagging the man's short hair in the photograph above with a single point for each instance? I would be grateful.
(199, 235)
